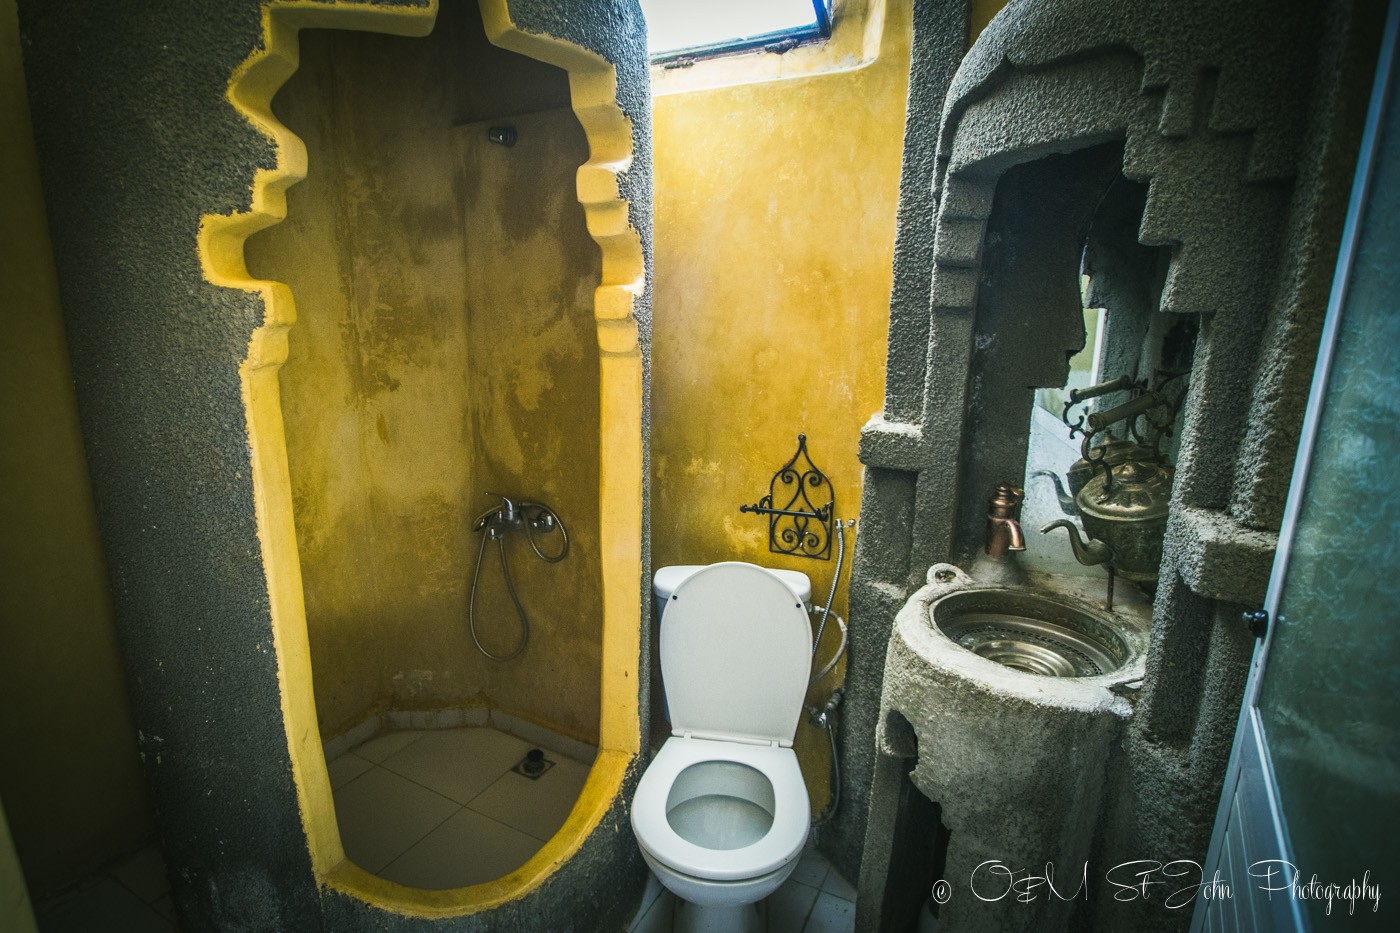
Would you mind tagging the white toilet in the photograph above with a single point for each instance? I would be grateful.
(721, 814)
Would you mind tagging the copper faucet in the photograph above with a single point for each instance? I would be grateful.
(1004, 520)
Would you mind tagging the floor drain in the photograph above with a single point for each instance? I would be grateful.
(533, 765)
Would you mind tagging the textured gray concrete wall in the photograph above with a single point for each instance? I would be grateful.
(1242, 119)
(137, 143)
(937, 45)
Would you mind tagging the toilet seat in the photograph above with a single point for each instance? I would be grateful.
(779, 846)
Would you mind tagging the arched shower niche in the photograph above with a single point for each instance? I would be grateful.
(462, 269)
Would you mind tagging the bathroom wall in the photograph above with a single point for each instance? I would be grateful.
(774, 234)
(533, 405)
(69, 776)
(775, 209)
(444, 348)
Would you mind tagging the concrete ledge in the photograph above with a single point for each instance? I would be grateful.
(891, 445)
(958, 243)
(1218, 558)
(954, 288)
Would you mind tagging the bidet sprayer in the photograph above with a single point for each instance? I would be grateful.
(822, 717)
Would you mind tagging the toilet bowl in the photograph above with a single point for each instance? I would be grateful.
(721, 814)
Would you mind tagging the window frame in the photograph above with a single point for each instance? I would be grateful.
(786, 39)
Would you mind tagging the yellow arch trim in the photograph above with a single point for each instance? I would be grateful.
(593, 89)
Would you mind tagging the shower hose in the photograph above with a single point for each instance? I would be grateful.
(491, 529)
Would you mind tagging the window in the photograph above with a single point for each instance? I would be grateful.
(696, 28)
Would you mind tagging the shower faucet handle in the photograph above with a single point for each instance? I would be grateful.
(507, 509)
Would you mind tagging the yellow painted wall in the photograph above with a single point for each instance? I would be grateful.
(981, 14)
(444, 347)
(533, 402)
(775, 207)
(69, 774)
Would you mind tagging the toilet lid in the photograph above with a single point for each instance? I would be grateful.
(736, 649)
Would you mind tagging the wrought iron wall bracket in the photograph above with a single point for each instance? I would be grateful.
(803, 524)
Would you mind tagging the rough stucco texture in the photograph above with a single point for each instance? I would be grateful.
(1238, 114)
(938, 41)
(70, 777)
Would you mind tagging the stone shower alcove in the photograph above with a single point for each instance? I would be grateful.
(462, 325)
(443, 348)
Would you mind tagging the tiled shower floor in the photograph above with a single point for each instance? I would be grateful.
(441, 808)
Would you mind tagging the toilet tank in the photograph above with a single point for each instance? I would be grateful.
(666, 579)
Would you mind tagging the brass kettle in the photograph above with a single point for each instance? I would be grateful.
(1124, 511)
(1113, 452)
(1126, 486)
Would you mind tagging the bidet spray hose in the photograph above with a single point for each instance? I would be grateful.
(835, 777)
(840, 650)
(830, 598)
(823, 718)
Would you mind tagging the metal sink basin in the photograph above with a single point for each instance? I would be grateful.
(1032, 633)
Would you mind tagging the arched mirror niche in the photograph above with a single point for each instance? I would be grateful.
(1068, 299)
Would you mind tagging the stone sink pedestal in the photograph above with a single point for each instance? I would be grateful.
(1014, 765)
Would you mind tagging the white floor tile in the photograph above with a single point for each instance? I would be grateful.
(789, 906)
(382, 814)
(104, 905)
(143, 874)
(387, 743)
(831, 914)
(355, 735)
(538, 807)
(458, 763)
(346, 768)
(467, 849)
(649, 894)
(835, 884)
(544, 738)
(812, 869)
(658, 918)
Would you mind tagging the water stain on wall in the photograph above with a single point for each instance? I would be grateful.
(444, 347)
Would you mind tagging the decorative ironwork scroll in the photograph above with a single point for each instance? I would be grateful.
(800, 506)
